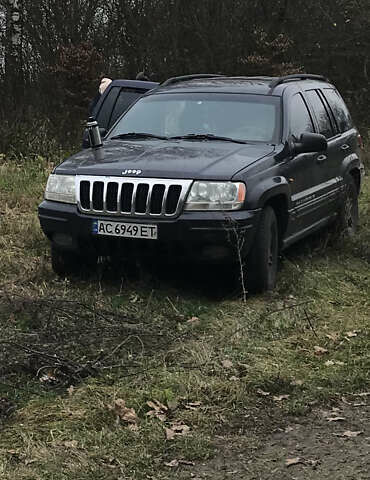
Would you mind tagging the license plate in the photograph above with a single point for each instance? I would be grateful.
(127, 230)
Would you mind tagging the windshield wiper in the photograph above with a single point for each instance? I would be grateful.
(205, 136)
(137, 135)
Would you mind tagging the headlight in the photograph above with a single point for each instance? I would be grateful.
(61, 188)
(216, 196)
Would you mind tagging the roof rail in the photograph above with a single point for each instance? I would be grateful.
(296, 76)
(183, 78)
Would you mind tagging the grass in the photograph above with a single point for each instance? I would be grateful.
(221, 366)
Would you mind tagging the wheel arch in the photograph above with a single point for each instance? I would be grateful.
(279, 203)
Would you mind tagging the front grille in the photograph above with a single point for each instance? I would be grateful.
(132, 197)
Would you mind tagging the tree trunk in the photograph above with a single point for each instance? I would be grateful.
(13, 49)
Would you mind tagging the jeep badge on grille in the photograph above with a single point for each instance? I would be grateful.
(132, 172)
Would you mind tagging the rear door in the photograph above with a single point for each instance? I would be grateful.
(116, 99)
(301, 171)
(327, 164)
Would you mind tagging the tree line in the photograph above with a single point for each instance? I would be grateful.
(53, 53)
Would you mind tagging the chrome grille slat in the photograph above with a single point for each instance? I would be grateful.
(164, 201)
(148, 201)
(140, 198)
(105, 188)
(133, 200)
(119, 197)
(91, 195)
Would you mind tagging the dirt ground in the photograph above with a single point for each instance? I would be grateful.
(317, 447)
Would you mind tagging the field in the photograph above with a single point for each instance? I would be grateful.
(162, 373)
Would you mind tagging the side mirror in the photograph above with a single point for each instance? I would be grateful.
(309, 143)
(86, 140)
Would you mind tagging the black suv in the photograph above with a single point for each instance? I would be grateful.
(214, 168)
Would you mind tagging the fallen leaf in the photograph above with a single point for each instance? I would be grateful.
(176, 463)
(124, 413)
(333, 336)
(348, 434)
(158, 410)
(329, 363)
(262, 393)
(279, 398)
(320, 350)
(292, 461)
(351, 334)
(227, 363)
(170, 434)
(48, 378)
(313, 463)
(176, 429)
(71, 444)
(193, 405)
(193, 320)
(296, 383)
(186, 462)
(335, 419)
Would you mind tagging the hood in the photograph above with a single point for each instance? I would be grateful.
(203, 160)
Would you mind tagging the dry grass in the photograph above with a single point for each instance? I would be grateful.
(268, 344)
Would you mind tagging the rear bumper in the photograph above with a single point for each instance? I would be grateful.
(203, 235)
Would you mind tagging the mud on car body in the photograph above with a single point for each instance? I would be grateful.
(204, 161)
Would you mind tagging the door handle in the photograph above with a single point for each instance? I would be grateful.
(344, 147)
(321, 158)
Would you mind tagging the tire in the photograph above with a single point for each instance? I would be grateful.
(65, 264)
(347, 221)
(262, 261)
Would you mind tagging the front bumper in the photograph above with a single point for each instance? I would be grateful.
(212, 236)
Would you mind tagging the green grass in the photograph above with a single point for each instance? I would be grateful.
(268, 343)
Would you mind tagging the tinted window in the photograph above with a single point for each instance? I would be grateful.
(339, 109)
(127, 96)
(322, 116)
(106, 108)
(300, 118)
(238, 116)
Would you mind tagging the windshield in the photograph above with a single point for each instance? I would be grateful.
(251, 118)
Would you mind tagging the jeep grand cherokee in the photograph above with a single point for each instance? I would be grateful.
(205, 165)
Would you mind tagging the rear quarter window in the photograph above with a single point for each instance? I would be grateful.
(339, 109)
(321, 114)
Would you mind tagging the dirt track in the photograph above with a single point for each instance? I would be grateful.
(314, 442)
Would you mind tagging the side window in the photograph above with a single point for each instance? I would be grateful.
(339, 109)
(126, 97)
(105, 110)
(322, 116)
(300, 118)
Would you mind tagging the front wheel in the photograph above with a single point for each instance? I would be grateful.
(262, 261)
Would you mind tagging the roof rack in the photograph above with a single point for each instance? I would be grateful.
(184, 78)
(296, 76)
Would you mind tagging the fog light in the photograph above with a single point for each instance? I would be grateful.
(62, 240)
